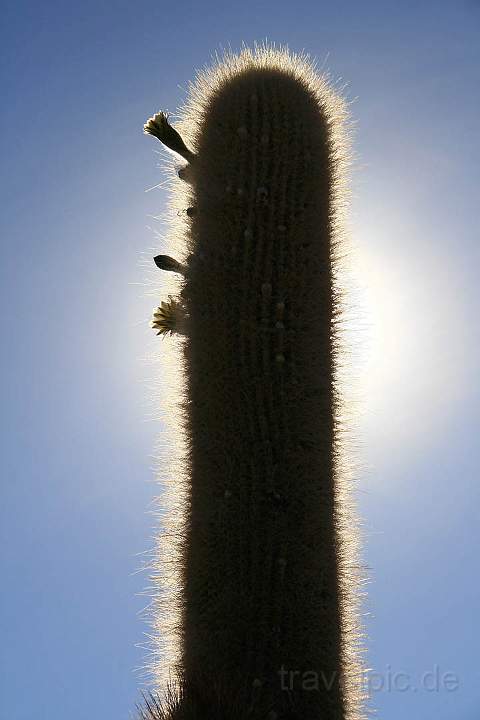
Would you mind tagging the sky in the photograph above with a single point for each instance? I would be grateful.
(79, 428)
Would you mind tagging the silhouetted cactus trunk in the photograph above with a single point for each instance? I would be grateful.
(266, 587)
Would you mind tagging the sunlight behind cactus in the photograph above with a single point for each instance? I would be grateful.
(257, 576)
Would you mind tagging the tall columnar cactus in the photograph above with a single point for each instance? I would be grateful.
(263, 548)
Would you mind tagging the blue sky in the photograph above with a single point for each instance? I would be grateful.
(78, 81)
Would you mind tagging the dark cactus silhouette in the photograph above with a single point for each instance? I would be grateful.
(263, 543)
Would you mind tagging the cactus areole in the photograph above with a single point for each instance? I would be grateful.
(266, 584)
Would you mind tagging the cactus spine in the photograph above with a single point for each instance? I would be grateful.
(263, 543)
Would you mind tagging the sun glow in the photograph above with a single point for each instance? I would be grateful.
(414, 349)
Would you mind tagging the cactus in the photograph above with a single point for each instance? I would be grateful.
(262, 542)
